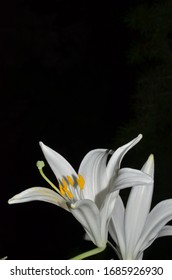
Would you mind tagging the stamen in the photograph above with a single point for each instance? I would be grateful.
(67, 191)
(70, 195)
(64, 183)
(61, 190)
(80, 181)
(70, 180)
(64, 191)
(40, 165)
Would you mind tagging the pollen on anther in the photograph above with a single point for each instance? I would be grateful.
(64, 183)
(69, 194)
(61, 190)
(80, 181)
(70, 180)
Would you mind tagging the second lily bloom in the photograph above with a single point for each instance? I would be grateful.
(134, 227)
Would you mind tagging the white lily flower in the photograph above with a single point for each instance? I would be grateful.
(89, 194)
(135, 228)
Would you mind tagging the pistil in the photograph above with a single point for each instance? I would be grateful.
(63, 189)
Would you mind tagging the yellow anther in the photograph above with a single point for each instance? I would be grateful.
(64, 189)
(70, 180)
(69, 194)
(61, 190)
(80, 181)
(64, 183)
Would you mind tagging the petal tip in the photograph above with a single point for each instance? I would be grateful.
(140, 136)
(41, 144)
(151, 157)
(10, 201)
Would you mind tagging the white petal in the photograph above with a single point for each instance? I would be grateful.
(160, 215)
(116, 225)
(59, 165)
(139, 256)
(93, 169)
(87, 213)
(148, 167)
(106, 212)
(128, 177)
(165, 231)
(115, 160)
(137, 208)
(38, 193)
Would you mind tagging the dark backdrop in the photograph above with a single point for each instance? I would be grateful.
(65, 81)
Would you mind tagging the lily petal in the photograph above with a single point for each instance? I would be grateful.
(93, 169)
(116, 225)
(59, 165)
(160, 215)
(106, 212)
(137, 208)
(128, 177)
(87, 213)
(166, 231)
(115, 161)
(39, 193)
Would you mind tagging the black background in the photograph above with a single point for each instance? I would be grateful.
(65, 81)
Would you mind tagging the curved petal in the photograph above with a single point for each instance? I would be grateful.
(137, 208)
(165, 231)
(128, 177)
(115, 160)
(106, 212)
(38, 193)
(139, 256)
(116, 225)
(87, 213)
(160, 215)
(93, 169)
(59, 165)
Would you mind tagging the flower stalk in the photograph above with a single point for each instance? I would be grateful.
(89, 253)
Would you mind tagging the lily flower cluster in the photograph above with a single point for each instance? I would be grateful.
(92, 196)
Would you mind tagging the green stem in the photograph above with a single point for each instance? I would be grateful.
(89, 253)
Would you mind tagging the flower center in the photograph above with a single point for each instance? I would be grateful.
(65, 183)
